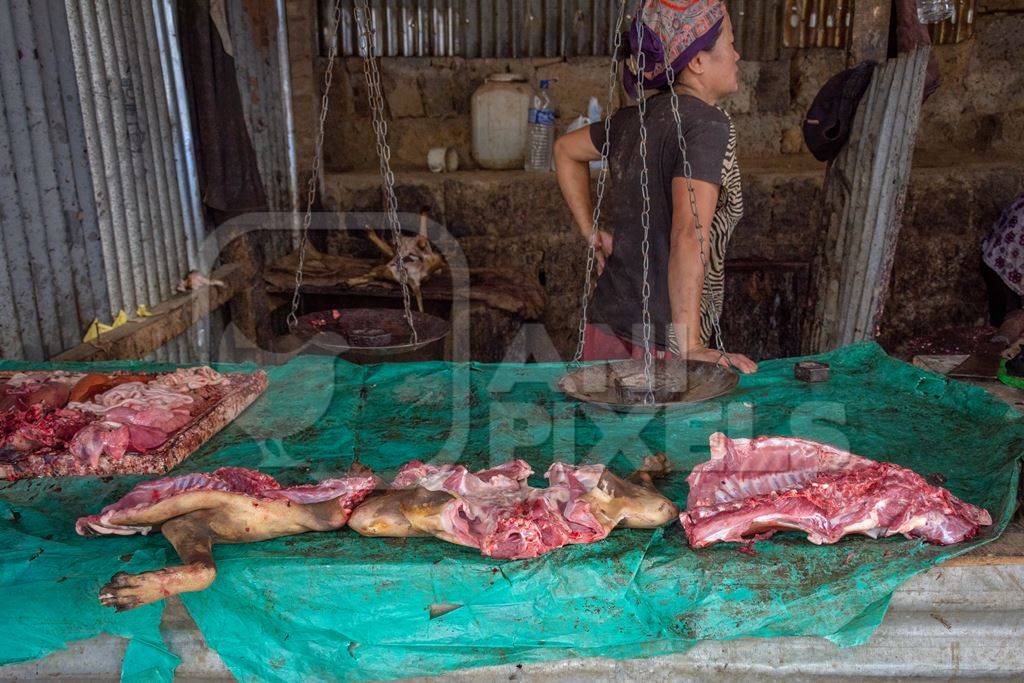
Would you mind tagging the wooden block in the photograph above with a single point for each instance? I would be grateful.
(138, 338)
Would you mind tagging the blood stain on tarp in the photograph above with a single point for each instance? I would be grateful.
(127, 557)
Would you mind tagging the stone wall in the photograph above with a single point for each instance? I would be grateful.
(969, 164)
(979, 106)
(518, 218)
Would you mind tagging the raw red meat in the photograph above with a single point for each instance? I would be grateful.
(52, 430)
(139, 414)
(13, 419)
(752, 488)
(496, 511)
(168, 421)
(46, 395)
(117, 518)
(98, 439)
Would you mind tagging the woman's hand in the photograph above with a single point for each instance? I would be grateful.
(737, 360)
(603, 250)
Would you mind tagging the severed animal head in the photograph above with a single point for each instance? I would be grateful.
(415, 254)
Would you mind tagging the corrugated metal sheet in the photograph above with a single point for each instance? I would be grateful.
(522, 28)
(827, 23)
(257, 33)
(957, 28)
(98, 203)
(53, 281)
(817, 23)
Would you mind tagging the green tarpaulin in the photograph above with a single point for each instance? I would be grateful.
(336, 605)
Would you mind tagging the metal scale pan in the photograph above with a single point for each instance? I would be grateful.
(370, 331)
(620, 385)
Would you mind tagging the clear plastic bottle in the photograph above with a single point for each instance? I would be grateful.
(541, 135)
(934, 11)
(594, 116)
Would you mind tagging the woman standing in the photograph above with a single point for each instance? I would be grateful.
(696, 38)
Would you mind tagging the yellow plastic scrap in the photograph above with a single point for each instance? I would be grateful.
(144, 312)
(96, 328)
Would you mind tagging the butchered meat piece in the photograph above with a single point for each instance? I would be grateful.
(167, 421)
(97, 439)
(137, 395)
(52, 430)
(752, 488)
(496, 511)
(186, 379)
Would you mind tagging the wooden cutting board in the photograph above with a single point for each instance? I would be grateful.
(242, 390)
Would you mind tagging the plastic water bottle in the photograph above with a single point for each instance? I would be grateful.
(594, 116)
(934, 11)
(541, 135)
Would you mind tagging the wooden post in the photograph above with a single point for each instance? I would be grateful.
(865, 189)
(869, 37)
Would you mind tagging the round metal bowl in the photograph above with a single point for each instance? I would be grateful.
(620, 385)
(371, 331)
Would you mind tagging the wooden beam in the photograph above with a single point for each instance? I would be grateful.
(869, 37)
(139, 338)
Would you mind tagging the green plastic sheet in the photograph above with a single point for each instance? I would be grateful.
(336, 605)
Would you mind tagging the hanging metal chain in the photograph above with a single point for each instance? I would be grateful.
(645, 213)
(602, 178)
(314, 177)
(380, 128)
(688, 173)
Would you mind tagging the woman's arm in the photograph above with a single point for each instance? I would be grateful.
(573, 154)
(686, 269)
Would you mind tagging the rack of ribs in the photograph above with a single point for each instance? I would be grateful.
(753, 488)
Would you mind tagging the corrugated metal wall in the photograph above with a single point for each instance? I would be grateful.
(827, 23)
(523, 28)
(53, 282)
(258, 34)
(99, 207)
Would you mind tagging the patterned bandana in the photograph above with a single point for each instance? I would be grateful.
(678, 30)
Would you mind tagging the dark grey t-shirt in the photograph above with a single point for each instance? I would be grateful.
(618, 298)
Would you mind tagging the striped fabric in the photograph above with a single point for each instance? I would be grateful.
(727, 215)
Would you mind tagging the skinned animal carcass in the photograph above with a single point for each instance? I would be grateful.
(496, 511)
(196, 511)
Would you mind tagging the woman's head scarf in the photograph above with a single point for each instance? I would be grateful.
(678, 30)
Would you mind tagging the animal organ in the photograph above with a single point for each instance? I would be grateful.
(121, 423)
